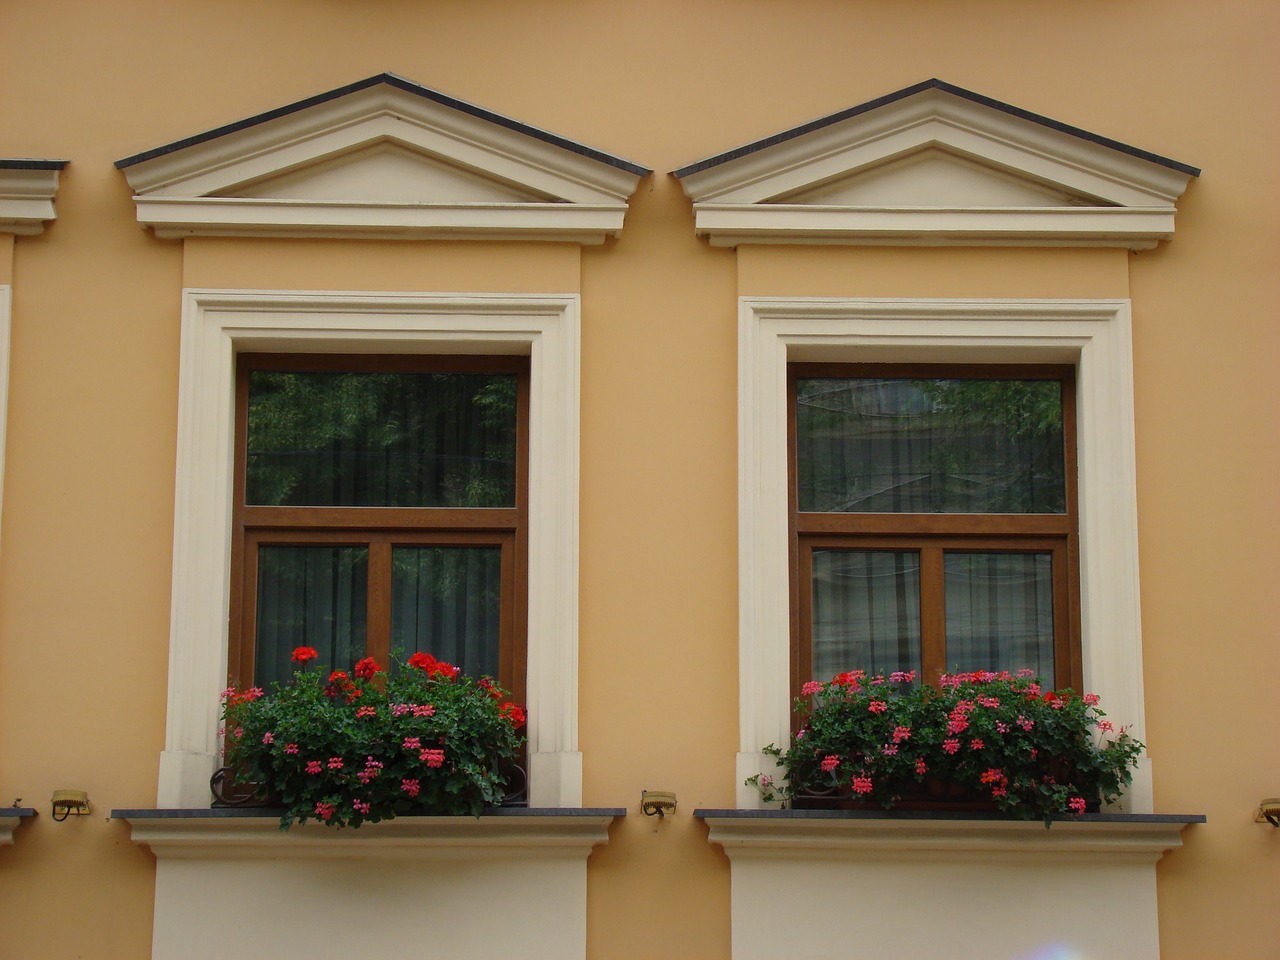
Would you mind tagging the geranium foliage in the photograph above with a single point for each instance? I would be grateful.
(991, 737)
(345, 750)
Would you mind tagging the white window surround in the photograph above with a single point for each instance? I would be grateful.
(1094, 335)
(6, 300)
(217, 324)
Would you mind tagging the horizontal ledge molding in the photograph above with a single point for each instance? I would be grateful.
(218, 834)
(216, 216)
(835, 834)
(1135, 228)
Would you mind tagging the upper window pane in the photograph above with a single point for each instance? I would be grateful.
(869, 445)
(347, 439)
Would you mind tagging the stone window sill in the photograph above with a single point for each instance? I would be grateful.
(220, 832)
(1146, 836)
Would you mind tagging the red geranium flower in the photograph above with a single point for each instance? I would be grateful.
(444, 671)
(303, 654)
(436, 669)
(339, 683)
(422, 661)
(366, 668)
(512, 713)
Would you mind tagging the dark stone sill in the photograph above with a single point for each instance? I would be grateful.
(782, 815)
(264, 813)
(17, 812)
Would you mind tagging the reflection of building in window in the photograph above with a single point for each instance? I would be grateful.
(379, 505)
(934, 520)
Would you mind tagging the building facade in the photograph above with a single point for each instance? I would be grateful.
(653, 219)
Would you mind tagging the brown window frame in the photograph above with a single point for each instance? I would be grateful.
(382, 528)
(932, 534)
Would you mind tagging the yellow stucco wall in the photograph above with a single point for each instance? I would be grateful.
(88, 490)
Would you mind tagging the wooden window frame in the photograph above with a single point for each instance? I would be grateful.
(934, 534)
(382, 528)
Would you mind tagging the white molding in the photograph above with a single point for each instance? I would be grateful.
(1094, 335)
(1106, 196)
(933, 887)
(218, 323)
(223, 185)
(1144, 841)
(173, 217)
(6, 309)
(402, 838)
(9, 824)
(1137, 228)
(26, 200)
(487, 888)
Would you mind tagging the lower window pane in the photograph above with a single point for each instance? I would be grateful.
(447, 601)
(866, 611)
(313, 597)
(1000, 612)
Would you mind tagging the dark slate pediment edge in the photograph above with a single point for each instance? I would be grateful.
(400, 83)
(931, 84)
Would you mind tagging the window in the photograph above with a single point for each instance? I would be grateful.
(1092, 336)
(380, 507)
(933, 520)
(220, 326)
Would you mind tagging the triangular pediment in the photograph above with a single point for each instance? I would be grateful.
(936, 178)
(384, 172)
(382, 157)
(935, 164)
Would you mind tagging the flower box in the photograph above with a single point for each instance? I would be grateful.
(419, 739)
(977, 741)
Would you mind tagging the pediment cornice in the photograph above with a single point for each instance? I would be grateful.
(27, 188)
(384, 157)
(939, 165)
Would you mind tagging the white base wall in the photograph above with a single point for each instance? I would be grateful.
(965, 908)
(494, 909)
(507, 884)
(820, 886)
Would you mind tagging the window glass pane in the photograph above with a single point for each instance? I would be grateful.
(312, 597)
(999, 612)
(866, 611)
(381, 439)
(929, 446)
(447, 601)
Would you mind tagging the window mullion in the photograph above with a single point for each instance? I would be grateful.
(933, 615)
(378, 617)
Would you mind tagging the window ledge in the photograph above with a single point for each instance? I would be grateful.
(10, 819)
(221, 832)
(827, 833)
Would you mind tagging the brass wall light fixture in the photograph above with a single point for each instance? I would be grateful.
(70, 803)
(1269, 812)
(657, 803)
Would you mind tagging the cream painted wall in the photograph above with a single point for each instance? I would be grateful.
(469, 266)
(6, 258)
(88, 491)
